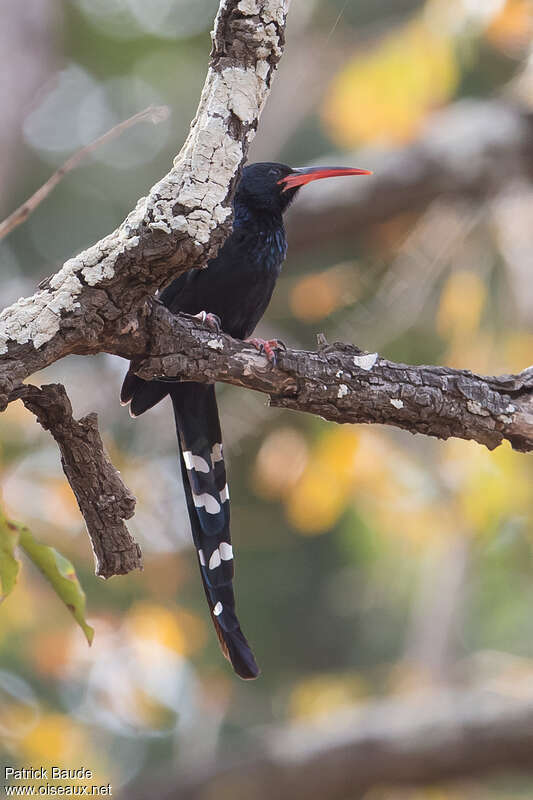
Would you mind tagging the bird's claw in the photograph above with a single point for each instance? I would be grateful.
(211, 320)
(270, 347)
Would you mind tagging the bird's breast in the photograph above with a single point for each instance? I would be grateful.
(271, 249)
(249, 280)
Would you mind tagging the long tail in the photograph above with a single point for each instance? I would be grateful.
(206, 492)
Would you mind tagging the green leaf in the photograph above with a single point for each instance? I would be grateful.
(56, 569)
(9, 563)
(60, 573)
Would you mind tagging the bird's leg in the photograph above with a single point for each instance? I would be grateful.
(211, 320)
(270, 347)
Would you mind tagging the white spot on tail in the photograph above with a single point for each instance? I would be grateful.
(365, 361)
(195, 462)
(217, 609)
(206, 501)
(226, 551)
(396, 402)
(216, 452)
(201, 557)
(214, 561)
(224, 494)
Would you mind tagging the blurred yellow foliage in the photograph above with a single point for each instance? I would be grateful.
(23, 609)
(489, 487)
(316, 501)
(178, 630)
(461, 304)
(17, 414)
(366, 467)
(518, 351)
(477, 352)
(512, 27)
(419, 524)
(373, 461)
(414, 501)
(321, 694)
(49, 651)
(386, 93)
(280, 462)
(61, 505)
(149, 712)
(56, 739)
(16, 718)
(398, 493)
(337, 452)
(315, 296)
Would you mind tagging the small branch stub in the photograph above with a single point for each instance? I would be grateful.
(104, 500)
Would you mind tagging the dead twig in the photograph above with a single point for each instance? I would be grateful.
(102, 496)
(153, 114)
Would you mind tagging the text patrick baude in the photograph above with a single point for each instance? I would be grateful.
(45, 773)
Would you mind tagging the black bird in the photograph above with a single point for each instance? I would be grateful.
(236, 288)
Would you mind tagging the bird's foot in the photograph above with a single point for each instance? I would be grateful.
(211, 320)
(270, 347)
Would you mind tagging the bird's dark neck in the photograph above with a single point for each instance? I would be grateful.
(255, 218)
(265, 236)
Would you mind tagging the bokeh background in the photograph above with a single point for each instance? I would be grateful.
(370, 563)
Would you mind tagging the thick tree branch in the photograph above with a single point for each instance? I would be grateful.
(470, 149)
(433, 738)
(97, 299)
(343, 384)
(104, 501)
(178, 226)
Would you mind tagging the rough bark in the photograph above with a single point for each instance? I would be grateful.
(97, 299)
(178, 226)
(427, 739)
(104, 501)
(341, 383)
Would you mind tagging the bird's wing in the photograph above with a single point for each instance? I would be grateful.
(180, 295)
(173, 294)
(206, 492)
(140, 394)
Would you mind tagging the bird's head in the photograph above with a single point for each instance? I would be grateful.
(271, 187)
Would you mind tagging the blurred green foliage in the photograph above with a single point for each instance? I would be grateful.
(337, 530)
